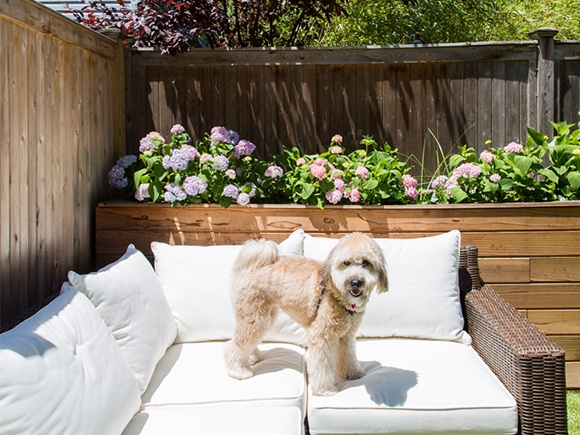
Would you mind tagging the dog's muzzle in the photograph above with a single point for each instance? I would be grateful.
(355, 287)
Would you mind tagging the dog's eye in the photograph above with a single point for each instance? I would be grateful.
(365, 263)
(347, 263)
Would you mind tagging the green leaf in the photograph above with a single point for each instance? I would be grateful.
(549, 175)
(523, 163)
(574, 179)
(307, 190)
(458, 194)
(371, 184)
(137, 177)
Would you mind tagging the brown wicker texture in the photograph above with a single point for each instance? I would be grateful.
(529, 364)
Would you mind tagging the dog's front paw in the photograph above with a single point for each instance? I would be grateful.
(240, 373)
(324, 392)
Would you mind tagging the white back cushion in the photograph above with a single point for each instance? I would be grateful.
(423, 297)
(131, 301)
(63, 373)
(196, 281)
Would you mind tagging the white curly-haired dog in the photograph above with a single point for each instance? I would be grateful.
(327, 298)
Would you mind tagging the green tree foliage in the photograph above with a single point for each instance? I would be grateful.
(397, 21)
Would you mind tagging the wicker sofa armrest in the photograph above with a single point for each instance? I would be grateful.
(528, 363)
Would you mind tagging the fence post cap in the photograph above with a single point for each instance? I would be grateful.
(543, 32)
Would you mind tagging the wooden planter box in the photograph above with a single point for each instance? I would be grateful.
(529, 252)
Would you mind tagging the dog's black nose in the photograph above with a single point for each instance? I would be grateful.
(356, 283)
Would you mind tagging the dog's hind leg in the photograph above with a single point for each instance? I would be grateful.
(242, 352)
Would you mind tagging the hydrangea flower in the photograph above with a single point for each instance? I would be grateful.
(177, 129)
(439, 181)
(362, 172)
(231, 174)
(194, 185)
(467, 170)
(231, 191)
(174, 193)
(274, 171)
(301, 161)
(339, 184)
(354, 195)
(337, 138)
(513, 147)
(244, 148)
(334, 196)
(495, 177)
(142, 192)
(220, 163)
(243, 199)
(147, 144)
(220, 134)
(317, 169)
(126, 161)
(487, 156)
(336, 149)
(409, 182)
(117, 177)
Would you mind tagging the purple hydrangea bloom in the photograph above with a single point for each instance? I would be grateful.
(220, 134)
(220, 163)
(243, 199)
(244, 148)
(194, 185)
(175, 192)
(190, 152)
(467, 170)
(274, 171)
(146, 144)
(231, 191)
(126, 161)
(117, 177)
(234, 137)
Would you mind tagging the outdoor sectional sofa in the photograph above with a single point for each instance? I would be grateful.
(134, 349)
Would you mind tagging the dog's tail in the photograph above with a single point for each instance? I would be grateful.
(256, 254)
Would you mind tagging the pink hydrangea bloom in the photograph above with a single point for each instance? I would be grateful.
(411, 192)
(354, 195)
(337, 138)
(409, 181)
(301, 161)
(439, 182)
(318, 171)
(336, 149)
(467, 170)
(495, 178)
(177, 129)
(334, 196)
(513, 147)
(486, 156)
(339, 184)
(362, 172)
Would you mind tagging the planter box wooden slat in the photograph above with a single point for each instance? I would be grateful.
(530, 253)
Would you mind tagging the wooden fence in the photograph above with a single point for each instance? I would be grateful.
(405, 95)
(61, 125)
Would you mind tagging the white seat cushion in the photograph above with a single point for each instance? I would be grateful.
(217, 421)
(423, 297)
(61, 372)
(196, 281)
(416, 386)
(195, 374)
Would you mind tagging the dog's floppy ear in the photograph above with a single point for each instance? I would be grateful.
(381, 266)
(383, 281)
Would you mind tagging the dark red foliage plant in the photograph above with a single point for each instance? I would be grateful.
(178, 25)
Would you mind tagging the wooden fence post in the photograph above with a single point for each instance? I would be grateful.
(546, 80)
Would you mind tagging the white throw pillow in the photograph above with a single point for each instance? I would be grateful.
(62, 373)
(423, 297)
(196, 281)
(131, 301)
